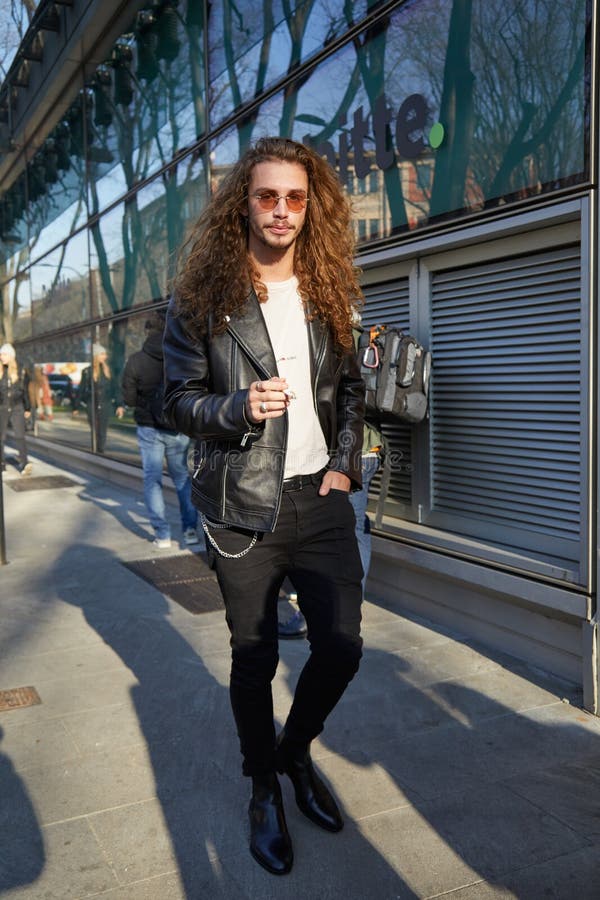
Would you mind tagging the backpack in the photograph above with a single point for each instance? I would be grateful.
(395, 368)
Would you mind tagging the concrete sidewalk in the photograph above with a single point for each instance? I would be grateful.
(460, 772)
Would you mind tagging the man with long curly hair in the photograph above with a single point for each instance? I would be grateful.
(260, 371)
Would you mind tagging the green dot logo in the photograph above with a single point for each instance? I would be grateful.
(436, 135)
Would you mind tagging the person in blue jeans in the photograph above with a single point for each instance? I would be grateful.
(156, 445)
(142, 387)
(371, 460)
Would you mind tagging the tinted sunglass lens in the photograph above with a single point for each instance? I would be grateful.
(268, 202)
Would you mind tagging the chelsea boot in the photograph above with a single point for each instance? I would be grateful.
(312, 796)
(270, 842)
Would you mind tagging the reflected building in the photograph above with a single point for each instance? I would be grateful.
(466, 136)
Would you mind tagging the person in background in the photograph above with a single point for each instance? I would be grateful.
(373, 446)
(40, 397)
(105, 395)
(15, 407)
(294, 625)
(142, 389)
(260, 370)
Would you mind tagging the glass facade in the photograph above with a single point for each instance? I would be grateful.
(428, 110)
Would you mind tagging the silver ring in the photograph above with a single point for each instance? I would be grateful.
(263, 407)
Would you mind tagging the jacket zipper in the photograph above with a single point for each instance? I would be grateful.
(259, 368)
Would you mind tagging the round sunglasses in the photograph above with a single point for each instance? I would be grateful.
(268, 200)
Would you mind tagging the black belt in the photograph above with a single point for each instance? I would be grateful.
(297, 482)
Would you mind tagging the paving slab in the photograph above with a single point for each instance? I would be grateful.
(28, 745)
(78, 866)
(570, 792)
(570, 876)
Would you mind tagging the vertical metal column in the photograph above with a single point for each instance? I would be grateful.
(3, 559)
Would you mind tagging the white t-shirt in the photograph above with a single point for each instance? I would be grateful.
(283, 312)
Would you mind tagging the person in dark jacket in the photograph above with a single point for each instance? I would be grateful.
(15, 407)
(260, 372)
(99, 394)
(142, 389)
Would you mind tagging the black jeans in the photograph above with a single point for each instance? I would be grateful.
(16, 417)
(101, 417)
(314, 543)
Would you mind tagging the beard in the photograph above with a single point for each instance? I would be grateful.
(267, 238)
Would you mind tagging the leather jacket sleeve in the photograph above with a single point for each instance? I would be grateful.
(350, 405)
(191, 404)
(129, 383)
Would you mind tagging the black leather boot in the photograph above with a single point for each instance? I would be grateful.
(270, 842)
(312, 796)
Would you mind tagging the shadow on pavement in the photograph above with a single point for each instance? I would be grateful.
(185, 718)
(22, 858)
(483, 792)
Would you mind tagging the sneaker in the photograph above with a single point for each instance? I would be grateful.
(26, 469)
(161, 543)
(294, 627)
(190, 536)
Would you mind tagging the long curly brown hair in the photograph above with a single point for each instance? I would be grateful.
(215, 274)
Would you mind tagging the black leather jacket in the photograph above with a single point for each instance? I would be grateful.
(238, 468)
(14, 394)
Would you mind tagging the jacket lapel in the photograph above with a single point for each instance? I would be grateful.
(317, 339)
(250, 332)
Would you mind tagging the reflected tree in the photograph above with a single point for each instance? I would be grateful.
(456, 114)
(13, 24)
(511, 100)
(370, 48)
(139, 124)
(11, 279)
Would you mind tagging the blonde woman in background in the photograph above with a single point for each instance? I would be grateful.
(15, 406)
(104, 394)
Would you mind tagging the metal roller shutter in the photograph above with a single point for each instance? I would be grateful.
(506, 435)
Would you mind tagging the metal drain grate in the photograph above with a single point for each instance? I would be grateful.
(185, 579)
(41, 483)
(17, 698)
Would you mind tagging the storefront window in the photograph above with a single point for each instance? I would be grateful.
(124, 268)
(252, 45)
(56, 201)
(134, 246)
(60, 286)
(15, 295)
(452, 112)
(147, 101)
(13, 224)
(438, 114)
